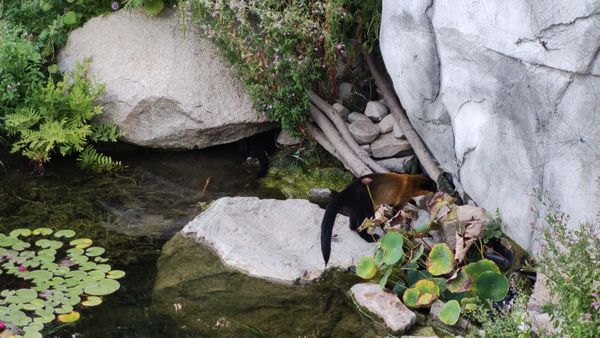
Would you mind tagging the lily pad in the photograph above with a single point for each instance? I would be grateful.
(81, 243)
(115, 274)
(366, 267)
(20, 233)
(94, 251)
(71, 317)
(492, 285)
(42, 231)
(92, 301)
(64, 233)
(103, 287)
(459, 282)
(477, 268)
(392, 245)
(441, 260)
(450, 312)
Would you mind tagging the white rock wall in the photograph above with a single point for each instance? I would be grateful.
(506, 96)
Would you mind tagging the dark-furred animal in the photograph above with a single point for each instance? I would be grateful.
(386, 188)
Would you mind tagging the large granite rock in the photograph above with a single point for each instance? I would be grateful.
(384, 304)
(274, 239)
(504, 94)
(164, 90)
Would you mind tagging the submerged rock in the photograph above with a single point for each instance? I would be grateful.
(163, 90)
(274, 239)
(384, 304)
(207, 299)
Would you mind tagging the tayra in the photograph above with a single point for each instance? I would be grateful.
(385, 188)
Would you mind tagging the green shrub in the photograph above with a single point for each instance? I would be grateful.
(511, 322)
(20, 68)
(48, 22)
(570, 258)
(282, 49)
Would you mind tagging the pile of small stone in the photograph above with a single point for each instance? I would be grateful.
(377, 132)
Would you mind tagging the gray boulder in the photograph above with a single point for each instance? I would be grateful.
(273, 239)
(343, 111)
(402, 165)
(363, 131)
(162, 89)
(387, 124)
(354, 116)
(384, 304)
(376, 110)
(504, 94)
(388, 146)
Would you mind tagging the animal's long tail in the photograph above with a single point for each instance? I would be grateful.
(331, 212)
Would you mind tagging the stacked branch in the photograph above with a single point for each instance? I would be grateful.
(335, 137)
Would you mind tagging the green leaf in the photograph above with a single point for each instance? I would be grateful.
(392, 244)
(64, 233)
(450, 312)
(366, 267)
(153, 7)
(70, 18)
(492, 285)
(384, 278)
(459, 282)
(417, 254)
(477, 268)
(441, 260)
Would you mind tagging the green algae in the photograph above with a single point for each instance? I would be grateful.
(295, 171)
(215, 300)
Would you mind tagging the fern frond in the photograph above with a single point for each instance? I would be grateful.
(23, 118)
(90, 159)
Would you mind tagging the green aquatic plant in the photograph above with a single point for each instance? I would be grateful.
(47, 275)
(421, 274)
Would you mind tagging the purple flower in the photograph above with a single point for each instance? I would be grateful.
(2, 326)
(366, 180)
(594, 294)
(596, 305)
(276, 57)
(339, 46)
(22, 268)
(114, 5)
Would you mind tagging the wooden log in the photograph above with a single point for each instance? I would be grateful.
(357, 167)
(342, 128)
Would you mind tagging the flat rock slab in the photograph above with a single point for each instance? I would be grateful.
(384, 304)
(389, 146)
(163, 89)
(274, 239)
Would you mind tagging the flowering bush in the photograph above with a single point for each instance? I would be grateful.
(283, 48)
(570, 258)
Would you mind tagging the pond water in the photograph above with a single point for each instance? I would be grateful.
(134, 213)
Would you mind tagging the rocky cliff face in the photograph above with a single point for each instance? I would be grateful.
(506, 96)
(163, 89)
